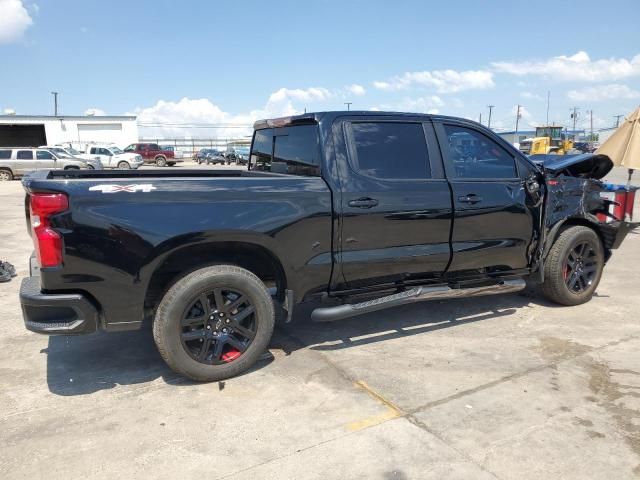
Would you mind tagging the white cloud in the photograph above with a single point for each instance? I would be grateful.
(14, 20)
(314, 94)
(200, 117)
(94, 111)
(444, 81)
(422, 104)
(578, 67)
(603, 92)
(355, 89)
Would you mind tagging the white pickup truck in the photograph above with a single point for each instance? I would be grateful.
(112, 157)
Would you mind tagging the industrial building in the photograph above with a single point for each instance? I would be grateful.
(36, 130)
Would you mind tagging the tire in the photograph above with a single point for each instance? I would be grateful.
(90, 167)
(71, 168)
(574, 266)
(190, 336)
(161, 162)
(123, 165)
(5, 175)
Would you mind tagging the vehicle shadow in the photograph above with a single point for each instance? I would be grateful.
(86, 364)
(407, 320)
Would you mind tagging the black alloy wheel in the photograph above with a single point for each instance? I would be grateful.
(218, 326)
(581, 267)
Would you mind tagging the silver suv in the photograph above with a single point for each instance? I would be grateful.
(70, 153)
(16, 161)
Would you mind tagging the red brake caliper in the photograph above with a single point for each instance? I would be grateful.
(230, 355)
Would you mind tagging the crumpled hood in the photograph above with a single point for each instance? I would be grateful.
(586, 165)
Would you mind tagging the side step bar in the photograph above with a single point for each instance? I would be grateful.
(417, 294)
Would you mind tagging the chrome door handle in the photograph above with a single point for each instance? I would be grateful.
(363, 203)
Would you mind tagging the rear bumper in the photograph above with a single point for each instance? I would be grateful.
(56, 314)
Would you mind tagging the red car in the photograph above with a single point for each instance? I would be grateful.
(152, 153)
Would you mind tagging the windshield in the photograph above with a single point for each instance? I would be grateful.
(115, 150)
(72, 151)
(60, 152)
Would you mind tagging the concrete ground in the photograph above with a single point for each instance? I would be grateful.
(508, 387)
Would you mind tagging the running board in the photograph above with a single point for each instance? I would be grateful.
(417, 294)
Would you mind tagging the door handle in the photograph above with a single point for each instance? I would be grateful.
(363, 203)
(471, 198)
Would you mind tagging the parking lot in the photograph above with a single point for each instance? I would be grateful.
(508, 387)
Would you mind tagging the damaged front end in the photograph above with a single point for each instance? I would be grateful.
(576, 195)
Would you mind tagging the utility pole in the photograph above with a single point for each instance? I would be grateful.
(348, 104)
(517, 119)
(548, 101)
(591, 125)
(480, 119)
(574, 116)
(490, 107)
(55, 103)
(617, 117)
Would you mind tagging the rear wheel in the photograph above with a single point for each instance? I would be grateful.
(123, 165)
(574, 266)
(214, 323)
(5, 174)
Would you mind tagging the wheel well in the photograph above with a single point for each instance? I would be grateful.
(582, 222)
(71, 168)
(160, 156)
(254, 258)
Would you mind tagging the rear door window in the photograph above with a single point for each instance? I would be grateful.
(44, 155)
(293, 150)
(24, 155)
(389, 150)
(5, 154)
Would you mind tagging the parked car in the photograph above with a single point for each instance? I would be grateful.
(358, 211)
(16, 161)
(242, 155)
(112, 157)
(214, 157)
(152, 153)
(62, 152)
(199, 155)
(177, 154)
(586, 147)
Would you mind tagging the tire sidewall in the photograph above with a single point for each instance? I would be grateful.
(184, 292)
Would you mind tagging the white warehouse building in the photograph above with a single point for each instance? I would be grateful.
(36, 130)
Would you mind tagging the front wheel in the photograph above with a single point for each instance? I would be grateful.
(574, 266)
(5, 175)
(214, 323)
(123, 165)
(161, 162)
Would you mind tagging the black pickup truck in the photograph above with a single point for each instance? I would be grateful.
(358, 211)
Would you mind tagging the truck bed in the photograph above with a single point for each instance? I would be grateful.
(155, 173)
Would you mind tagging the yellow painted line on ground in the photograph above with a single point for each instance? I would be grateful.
(392, 410)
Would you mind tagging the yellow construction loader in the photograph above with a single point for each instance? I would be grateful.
(548, 140)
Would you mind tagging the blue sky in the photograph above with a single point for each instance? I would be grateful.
(198, 62)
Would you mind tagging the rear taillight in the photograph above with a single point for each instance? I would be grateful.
(48, 242)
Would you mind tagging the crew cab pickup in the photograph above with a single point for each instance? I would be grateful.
(357, 211)
(153, 153)
(111, 156)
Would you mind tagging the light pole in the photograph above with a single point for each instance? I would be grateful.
(348, 104)
(55, 103)
(490, 107)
